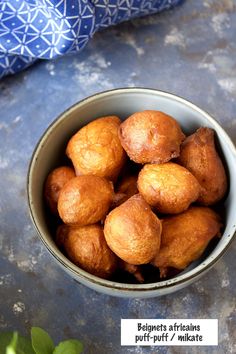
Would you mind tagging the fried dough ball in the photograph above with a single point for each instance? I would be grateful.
(199, 156)
(168, 187)
(96, 149)
(126, 189)
(86, 247)
(135, 270)
(54, 183)
(185, 237)
(133, 231)
(85, 200)
(151, 137)
(61, 236)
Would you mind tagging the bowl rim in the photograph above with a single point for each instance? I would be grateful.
(79, 272)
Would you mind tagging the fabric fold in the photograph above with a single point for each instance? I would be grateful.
(46, 29)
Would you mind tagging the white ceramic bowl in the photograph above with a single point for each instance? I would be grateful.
(123, 102)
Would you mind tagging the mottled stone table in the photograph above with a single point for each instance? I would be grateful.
(190, 51)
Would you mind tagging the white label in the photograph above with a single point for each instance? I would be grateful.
(169, 332)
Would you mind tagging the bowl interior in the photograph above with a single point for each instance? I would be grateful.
(51, 149)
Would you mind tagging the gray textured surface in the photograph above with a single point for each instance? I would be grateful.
(189, 51)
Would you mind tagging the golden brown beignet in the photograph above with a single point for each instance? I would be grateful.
(96, 149)
(185, 237)
(85, 200)
(126, 189)
(86, 247)
(133, 231)
(168, 187)
(54, 183)
(199, 156)
(135, 270)
(151, 137)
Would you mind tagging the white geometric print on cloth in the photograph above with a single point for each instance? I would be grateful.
(45, 29)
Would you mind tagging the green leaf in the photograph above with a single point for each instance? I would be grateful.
(23, 344)
(41, 341)
(5, 339)
(11, 348)
(70, 346)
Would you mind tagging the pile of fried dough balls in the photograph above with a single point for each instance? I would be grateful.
(117, 217)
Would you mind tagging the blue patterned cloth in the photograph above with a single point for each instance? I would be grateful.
(46, 29)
